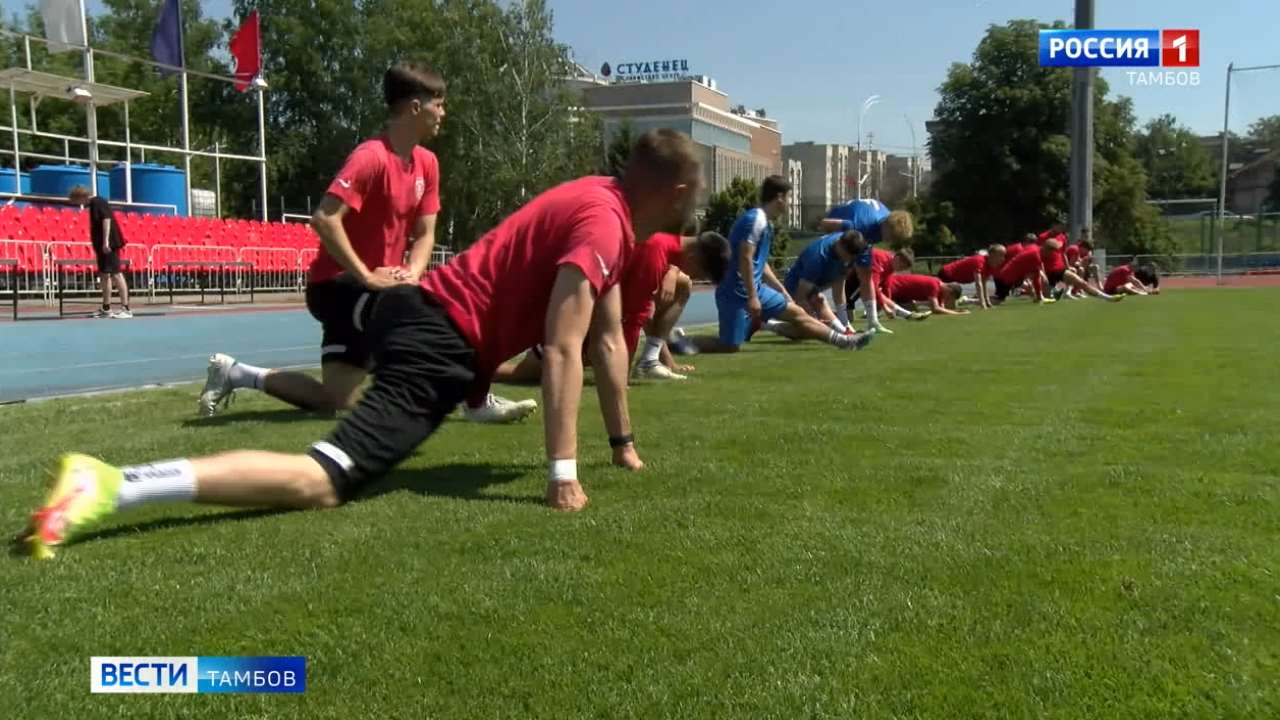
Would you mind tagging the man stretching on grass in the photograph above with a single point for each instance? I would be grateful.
(750, 294)
(869, 282)
(386, 194)
(877, 223)
(941, 297)
(821, 266)
(548, 273)
(976, 269)
(655, 289)
(1124, 280)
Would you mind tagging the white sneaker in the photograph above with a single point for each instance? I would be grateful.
(497, 409)
(122, 314)
(217, 386)
(100, 313)
(854, 341)
(657, 371)
(681, 344)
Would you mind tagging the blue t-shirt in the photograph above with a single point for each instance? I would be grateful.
(819, 264)
(750, 230)
(864, 216)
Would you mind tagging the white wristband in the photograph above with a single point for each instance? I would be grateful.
(564, 470)
(901, 313)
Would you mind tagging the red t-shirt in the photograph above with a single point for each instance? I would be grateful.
(643, 274)
(1057, 261)
(1021, 266)
(967, 270)
(1077, 254)
(1116, 278)
(497, 291)
(914, 288)
(881, 273)
(386, 196)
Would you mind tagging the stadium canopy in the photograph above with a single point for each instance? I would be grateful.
(43, 84)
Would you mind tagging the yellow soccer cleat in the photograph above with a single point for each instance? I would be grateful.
(84, 491)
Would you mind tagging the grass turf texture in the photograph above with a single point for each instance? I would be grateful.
(974, 518)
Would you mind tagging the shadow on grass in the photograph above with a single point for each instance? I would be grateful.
(279, 415)
(461, 481)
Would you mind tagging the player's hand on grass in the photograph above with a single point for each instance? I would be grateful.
(682, 368)
(566, 495)
(626, 457)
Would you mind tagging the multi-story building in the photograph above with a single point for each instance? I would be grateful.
(826, 178)
(793, 171)
(733, 145)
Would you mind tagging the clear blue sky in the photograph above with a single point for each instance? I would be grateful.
(810, 62)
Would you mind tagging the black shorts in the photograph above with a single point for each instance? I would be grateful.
(338, 305)
(1054, 277)
(108, 262)
(1003, 290)
(424, 369)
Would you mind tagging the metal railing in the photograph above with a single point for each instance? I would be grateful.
(158, 270)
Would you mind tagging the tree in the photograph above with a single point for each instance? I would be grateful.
(1003, 132)
(724, 207)
(619, 151)
(1177, 165)
(1265, 132)
(933, 235)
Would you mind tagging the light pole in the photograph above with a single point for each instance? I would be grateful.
(915, 161)
(866, 105)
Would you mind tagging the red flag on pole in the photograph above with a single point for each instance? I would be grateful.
(246, 48)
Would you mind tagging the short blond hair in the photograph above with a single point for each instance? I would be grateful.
(899, 226)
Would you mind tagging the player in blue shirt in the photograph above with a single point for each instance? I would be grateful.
(749, 293)
(877, 223)
(824, 264)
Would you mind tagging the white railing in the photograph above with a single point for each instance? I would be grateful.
(154, 269)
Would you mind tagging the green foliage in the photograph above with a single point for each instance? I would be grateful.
(619, 150)
(724, 207)
(933, 236)
(1177, 165)
(1003, 132)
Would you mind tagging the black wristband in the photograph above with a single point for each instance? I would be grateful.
(623, 441)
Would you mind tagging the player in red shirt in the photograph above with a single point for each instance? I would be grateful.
(1125, 280)
(384, 198)
(883, 265)
(976, 269)
(1080, 261)
(941, 297)
(655, 289)
(1028, 264)
(548, 273)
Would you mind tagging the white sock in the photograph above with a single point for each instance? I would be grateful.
(901, 313)
(166, 481)
(247, 376)
(652, 349)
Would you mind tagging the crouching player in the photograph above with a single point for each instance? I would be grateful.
(869, 282)
(942, 297)
(976, 269)
(656, 285)
(824, 264)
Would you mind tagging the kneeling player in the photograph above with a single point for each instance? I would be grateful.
(941, 297)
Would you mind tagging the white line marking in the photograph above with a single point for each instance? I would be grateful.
(142, 361)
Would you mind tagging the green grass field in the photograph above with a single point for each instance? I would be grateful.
(1056, 512)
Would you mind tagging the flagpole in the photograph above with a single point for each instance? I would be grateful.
(186, 123)
(262, 143)
(92, 109)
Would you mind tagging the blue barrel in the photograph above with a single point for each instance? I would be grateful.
(104, 184)
(157, 184)
(6, 181)
(57, 180)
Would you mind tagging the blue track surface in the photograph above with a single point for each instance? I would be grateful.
(58, 357)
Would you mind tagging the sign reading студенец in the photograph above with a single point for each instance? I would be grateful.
(647, 70)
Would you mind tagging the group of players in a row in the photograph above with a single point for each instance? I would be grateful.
(572, 277)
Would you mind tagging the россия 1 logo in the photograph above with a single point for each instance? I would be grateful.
(1168, 48)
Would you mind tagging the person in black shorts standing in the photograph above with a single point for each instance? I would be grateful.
(104, 235)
